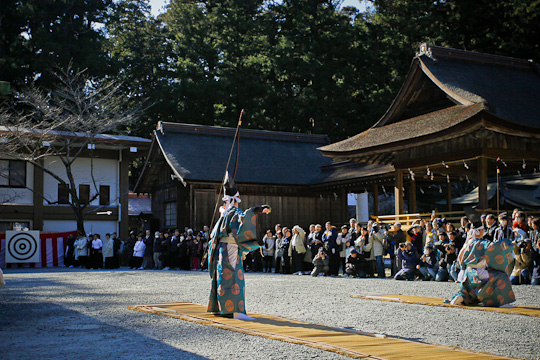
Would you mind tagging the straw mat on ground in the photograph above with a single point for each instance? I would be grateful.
(347, 342)
(434, 301)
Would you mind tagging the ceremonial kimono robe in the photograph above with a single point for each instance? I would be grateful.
(225, 259)
(490, 286)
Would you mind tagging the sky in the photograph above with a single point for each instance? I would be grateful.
(157, 5)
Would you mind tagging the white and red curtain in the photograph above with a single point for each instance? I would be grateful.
(53, 249)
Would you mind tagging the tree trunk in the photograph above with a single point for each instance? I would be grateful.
(80, 221)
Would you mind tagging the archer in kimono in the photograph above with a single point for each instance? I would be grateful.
(484, 277)
(232, 237)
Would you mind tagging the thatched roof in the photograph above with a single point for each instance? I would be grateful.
(446, 88)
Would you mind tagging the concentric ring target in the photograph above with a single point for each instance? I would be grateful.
(23, 246)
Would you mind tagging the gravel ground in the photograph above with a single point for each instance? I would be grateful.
(74, 313)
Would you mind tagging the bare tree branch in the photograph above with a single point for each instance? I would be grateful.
(61, 123)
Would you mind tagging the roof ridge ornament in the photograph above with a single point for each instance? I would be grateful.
(425, 49)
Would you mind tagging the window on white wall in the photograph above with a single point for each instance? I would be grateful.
(63, 193)
(12, 173)
(170, 213)
(84, 193)
(104, 194)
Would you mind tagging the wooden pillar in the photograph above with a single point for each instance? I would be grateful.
(37, 221)
(449, 195)
(375, 200)
(482, 178)
(412, 197)
(344, 205)
(123, 226)
(398, 192)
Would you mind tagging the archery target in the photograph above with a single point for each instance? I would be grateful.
(22, 247)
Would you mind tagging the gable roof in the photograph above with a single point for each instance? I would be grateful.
(200, 153)
(425, 127)
(463, 81)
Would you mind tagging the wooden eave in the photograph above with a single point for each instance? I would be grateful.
(145, 173)
(380, 154)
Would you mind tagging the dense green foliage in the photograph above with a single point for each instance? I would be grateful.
(293, 65)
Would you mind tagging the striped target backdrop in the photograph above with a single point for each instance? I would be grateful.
(22, 247)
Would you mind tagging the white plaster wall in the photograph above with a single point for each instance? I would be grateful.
(100, 227)
(106, 172)
(20, 195)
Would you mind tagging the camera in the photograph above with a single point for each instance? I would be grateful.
(402, 246)
(521, 244)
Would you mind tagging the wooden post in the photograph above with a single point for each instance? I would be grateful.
(375, 200)
(398, 192)
(123, 230)
(449, 195)
(37, 223)
(482, 178)
(344, 205)
(412, 197)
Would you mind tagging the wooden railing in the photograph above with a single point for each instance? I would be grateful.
(454, 217)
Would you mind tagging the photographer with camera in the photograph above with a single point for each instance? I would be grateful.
(447, 264)
(353, 266)
(409, 256)
(321, 264)
(429, 265)
(523, 265)
(394, 238)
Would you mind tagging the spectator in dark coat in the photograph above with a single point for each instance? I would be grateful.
(504, 231)
(285, 243)
(195, 252)
(535, 278)
(410, 259)
(184, 254)
(128, 249)
(491, 226)
(148, 250)
(158, 250)
(165, 250)
(329, 239)
(415, 233)
(447, 264)
(353, 265)
(396, 237)
(173, 250)
(455, 237)
(69, 257)
(117, 250)
(315, 240)
(429, 264)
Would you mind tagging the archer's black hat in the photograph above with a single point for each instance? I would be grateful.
(229, 187)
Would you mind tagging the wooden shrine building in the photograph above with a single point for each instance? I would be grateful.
(186, 165)
(459, 115)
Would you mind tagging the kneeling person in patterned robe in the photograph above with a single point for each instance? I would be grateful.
(484, 277)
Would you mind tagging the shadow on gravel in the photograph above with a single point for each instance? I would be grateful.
(49, 331)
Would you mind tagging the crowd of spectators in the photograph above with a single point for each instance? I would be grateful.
(427, 250)
(161, 250)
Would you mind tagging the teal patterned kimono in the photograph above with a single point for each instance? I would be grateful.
(225, 259)
(486, 287)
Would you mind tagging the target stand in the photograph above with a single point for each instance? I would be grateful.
(22, 247)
